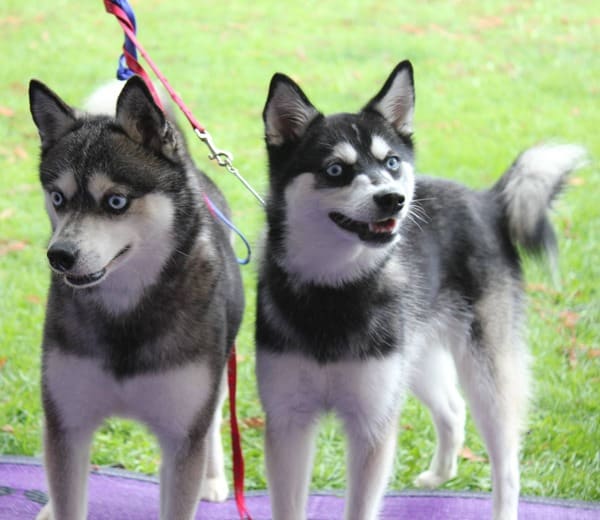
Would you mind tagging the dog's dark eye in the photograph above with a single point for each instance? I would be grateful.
(392, 163)
(117, 203)
(57, 198)
(335, 170)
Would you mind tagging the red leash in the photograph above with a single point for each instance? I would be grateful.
(223, 158)
(134, 65)
(236, 442)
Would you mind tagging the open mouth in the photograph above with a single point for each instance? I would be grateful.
(87, 280)
(381, 231)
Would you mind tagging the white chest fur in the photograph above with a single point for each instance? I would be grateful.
(366, 392)
(85, 394)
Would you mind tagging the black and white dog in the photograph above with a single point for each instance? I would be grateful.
(145, 300)
(375, 281)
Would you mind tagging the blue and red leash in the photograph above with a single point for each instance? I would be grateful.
(128, 66)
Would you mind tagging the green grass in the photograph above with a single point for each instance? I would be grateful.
(491, 78)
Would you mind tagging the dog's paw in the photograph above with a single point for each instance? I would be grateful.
(429, 479)
(45, 513)
(214, 489)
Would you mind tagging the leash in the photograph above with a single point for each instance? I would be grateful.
(128, 66)
(120, 9)
(236, 441)
(217, 213)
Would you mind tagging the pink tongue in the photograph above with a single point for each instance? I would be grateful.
(385, 226)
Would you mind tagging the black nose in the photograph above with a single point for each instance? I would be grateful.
(390, 201)
(62, 256)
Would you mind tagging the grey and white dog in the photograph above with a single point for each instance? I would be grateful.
(145, 299)
(375, 281)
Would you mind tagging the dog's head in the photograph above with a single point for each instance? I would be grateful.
(110, 186)
(340, 184)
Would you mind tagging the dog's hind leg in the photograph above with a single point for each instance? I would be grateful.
(66, 457)
(214, 485)
(435, 383)
(497, 386)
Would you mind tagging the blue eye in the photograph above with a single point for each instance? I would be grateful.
(335, 170)
(117, 203)
(57, 198)
(392, 163)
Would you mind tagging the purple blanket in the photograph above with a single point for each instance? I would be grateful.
(126, 496)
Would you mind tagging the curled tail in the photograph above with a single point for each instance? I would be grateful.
(528, 188)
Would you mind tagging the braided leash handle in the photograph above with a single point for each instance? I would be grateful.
(128, 62)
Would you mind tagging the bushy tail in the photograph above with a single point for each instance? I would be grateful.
(103, 100)
(528, 188)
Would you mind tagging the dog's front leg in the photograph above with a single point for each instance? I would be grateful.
(291, 391)
(370, 461)
(182, 470)
(289, 449)
(66, 456)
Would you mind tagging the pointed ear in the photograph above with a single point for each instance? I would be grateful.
(52, 116)
(143, 121)
(396, 100)
(288, 112)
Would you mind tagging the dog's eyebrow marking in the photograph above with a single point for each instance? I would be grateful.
(99, 184)
(345, 152)
(379, 148)
(66, 183)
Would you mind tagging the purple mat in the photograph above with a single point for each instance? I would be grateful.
(126, 496)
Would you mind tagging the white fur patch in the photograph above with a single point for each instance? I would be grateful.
(66, 183)
(103, 101)
(345, 152)
(317, 249)
(99, 184)
(537, 173)
(85, 394)
(145, 230)
(365, 393)
(379, 148)
(408, 180)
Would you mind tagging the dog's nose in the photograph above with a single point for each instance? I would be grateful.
(390, 201)
(62, 256)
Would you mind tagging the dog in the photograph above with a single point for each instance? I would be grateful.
(375, 281)
(145, 298)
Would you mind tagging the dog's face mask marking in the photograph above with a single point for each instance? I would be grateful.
(112, 220)
(102, 226)
(347, 179)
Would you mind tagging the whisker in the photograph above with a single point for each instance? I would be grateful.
(414, 221)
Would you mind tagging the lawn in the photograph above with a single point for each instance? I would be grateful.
(491, 78)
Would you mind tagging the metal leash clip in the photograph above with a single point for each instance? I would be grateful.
(225, 159)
